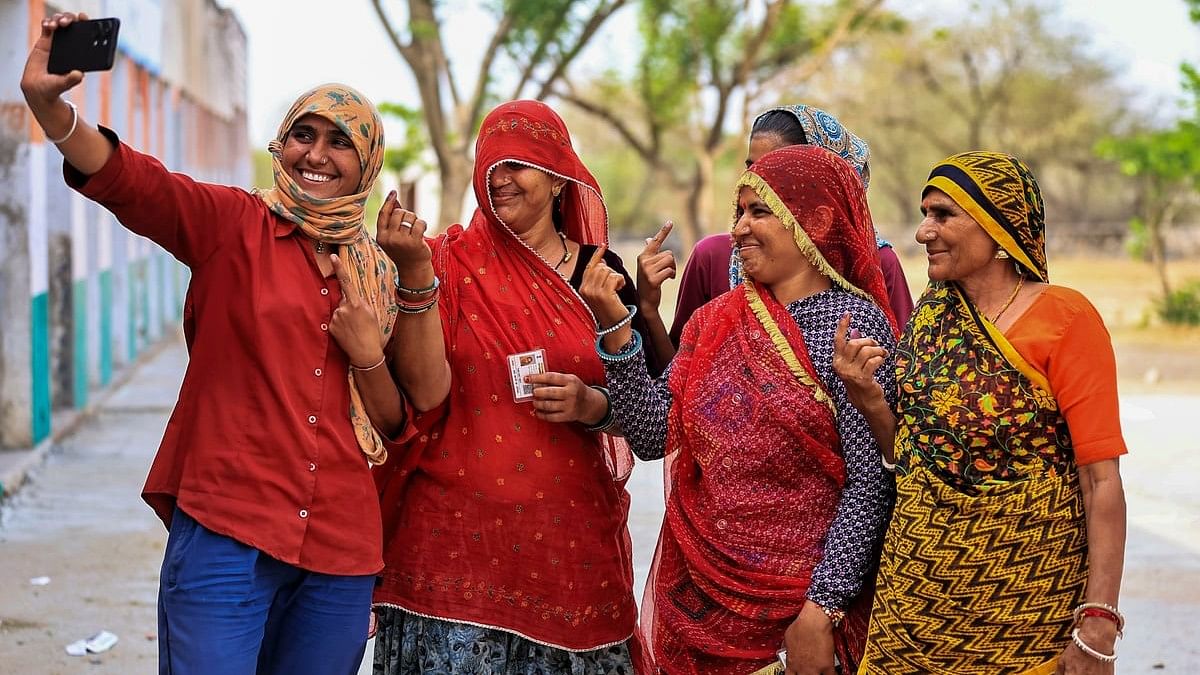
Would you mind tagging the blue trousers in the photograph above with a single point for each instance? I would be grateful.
(224, 607)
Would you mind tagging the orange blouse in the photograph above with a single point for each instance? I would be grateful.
(1064, 338)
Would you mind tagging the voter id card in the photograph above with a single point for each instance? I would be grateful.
(523, 365)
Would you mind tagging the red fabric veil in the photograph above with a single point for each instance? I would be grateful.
(757, 477)
(495, 517)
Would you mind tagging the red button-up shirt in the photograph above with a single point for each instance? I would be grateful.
(259, 447)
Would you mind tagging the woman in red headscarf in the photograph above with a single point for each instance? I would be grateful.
(506, 546)
(776, 497)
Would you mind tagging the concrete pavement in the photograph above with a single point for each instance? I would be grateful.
(81, 522)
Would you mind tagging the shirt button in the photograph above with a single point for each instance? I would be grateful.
(312, 419)
(324, 326)
(303, 513)
(324, 291)
(317, 372)
(312, 466)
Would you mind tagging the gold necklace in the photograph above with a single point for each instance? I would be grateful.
(566, 251)
(1007, 303)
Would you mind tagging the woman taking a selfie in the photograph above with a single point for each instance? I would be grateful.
(262, 476)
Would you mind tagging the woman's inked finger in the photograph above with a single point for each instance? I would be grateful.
(597, 257)
(385, 212)
(839, 333)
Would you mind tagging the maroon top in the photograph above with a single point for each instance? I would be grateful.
(899, 298)
(706, 276)
(259, 447)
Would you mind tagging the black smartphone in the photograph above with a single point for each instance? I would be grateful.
(84, 45)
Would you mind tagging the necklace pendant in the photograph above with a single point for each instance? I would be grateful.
(320, 246)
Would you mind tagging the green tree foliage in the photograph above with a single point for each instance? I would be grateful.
(1165, 165)
(401, 156)
(1008, 75)
(698, 59)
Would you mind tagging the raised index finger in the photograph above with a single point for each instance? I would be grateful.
(597, 257)
(653, 244)
(390, 203)
(350, 294)
(839, 333)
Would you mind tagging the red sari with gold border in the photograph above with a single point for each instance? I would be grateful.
(494, 517)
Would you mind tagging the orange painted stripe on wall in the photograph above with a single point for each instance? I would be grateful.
(160, 118)
(37, 10)
(131, 103)
(143, 81)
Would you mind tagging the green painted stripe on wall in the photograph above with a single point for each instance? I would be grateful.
(80, 357)
(144, 298)
(131, 313)
(106, 327)
(40, 361)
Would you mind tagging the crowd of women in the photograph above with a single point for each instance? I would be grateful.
(441, 427)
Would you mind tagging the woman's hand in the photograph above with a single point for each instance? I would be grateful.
(41, 87)
(855, 360)
(401, 234)
(563, 397)
(654, 266)
(1097, 633)
(599, 290)
(809, 643)
(354, 325)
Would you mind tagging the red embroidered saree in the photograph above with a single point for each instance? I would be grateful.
(495, 517)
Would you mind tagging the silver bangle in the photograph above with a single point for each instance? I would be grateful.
(1086, 649)
(74, 124)
(632, 309)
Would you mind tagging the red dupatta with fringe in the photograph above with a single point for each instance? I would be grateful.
(495, 517)
(757, 471)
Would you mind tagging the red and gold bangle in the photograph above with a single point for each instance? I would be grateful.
(1100, 610)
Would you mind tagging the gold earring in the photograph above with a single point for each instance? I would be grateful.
(1001, 254)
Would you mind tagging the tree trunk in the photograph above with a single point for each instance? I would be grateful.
(632, 221)
(1155, 229)
(699, 201)
(455, 173)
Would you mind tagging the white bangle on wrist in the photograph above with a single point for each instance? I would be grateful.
(74, 125)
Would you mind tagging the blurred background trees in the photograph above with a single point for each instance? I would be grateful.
(665, 128)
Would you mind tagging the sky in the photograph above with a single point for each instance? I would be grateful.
(296, 44)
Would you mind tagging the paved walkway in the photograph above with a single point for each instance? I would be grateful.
(81, 522)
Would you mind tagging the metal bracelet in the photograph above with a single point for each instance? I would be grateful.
(1087, 649)
(74, 124)
(371, 367)
(620, 324)
(419, 291)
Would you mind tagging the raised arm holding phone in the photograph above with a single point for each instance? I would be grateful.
(263, 473)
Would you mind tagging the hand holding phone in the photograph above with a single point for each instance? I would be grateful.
(85, 46)
(42, 88)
